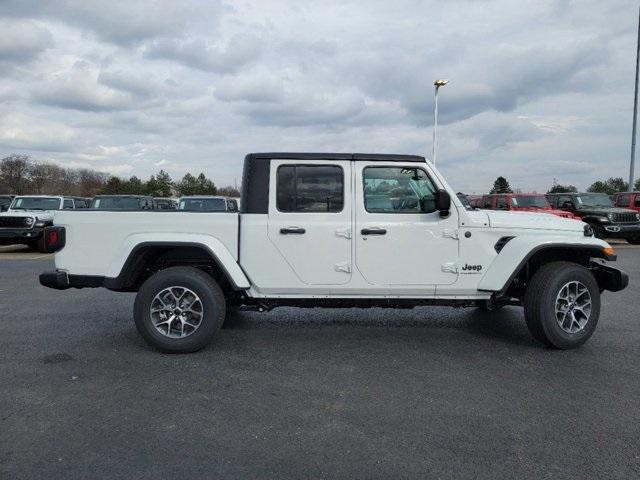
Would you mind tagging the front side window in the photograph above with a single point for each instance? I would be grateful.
(501, 203)
(488, 203)
(310, 188)
(398, 190)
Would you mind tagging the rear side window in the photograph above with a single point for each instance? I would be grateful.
(501, 203)
(310, 188)
(67, 205)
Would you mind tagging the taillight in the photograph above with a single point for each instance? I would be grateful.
(54, 239)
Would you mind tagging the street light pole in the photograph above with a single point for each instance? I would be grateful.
(635, 114)
(437, 84)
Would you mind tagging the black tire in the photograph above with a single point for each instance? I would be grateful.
(634, 240)
(598, 231)
(540, 304)
(213, 309)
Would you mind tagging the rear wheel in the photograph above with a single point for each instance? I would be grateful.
(562, 305)
(179, 310)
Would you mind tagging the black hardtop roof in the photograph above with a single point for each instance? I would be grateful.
(382, 157)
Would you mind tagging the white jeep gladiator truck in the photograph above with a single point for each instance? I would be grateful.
(336, 230)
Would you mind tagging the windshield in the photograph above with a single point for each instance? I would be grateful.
(36, 203)
(531, 201)
(594, 200)
(465, 201)
(115, 203)
(203, 205)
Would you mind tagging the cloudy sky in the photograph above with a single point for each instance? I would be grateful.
(538, 90)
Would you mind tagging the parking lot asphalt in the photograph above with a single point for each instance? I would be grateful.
(424, 393)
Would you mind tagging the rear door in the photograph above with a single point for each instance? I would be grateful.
(310, 218)
(400, 240)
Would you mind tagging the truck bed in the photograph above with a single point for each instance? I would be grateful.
(99, 242)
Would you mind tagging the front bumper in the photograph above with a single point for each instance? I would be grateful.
(622, 230)
(609, 278)
(19, 235)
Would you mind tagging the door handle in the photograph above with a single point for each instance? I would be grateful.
(292, 231)
(373, 231)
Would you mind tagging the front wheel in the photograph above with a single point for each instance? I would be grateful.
(634, 240)
(179, 310)
(562, 305)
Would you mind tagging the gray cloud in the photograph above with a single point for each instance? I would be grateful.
(537, 90)
(199, 53)
(22, 41)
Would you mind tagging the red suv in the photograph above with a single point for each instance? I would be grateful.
(630, 200)
(528, 202)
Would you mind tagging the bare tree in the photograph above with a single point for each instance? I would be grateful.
(14, 173)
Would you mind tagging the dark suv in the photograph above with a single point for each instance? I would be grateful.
(597, 210)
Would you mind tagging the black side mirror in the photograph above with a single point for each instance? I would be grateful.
(443, 202)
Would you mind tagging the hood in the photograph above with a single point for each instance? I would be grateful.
(37, 214)
(602, 210)
(533, 220)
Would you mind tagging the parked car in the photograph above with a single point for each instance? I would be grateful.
(475, 201)
(121, 202)
(163, 203)
(630, 200)
(347, 230)
(25, 220)
(5, 201)
(598, 211)
(81, 202)
(524, 202)
(207, 203)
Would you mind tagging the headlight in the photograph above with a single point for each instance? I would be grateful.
(603, 219)
(28, 221)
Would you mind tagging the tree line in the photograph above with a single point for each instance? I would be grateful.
(609, 186)
(21, 175)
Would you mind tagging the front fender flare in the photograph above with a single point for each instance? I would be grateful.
(518, 251)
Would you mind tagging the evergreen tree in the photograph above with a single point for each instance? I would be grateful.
(563, 189)
(501, 185)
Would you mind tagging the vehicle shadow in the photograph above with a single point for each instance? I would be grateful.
(505, 325)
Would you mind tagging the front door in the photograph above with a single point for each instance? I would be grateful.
(310, 219)
(400, 239)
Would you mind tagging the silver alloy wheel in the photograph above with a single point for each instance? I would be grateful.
(573, 307)
(176, 312)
